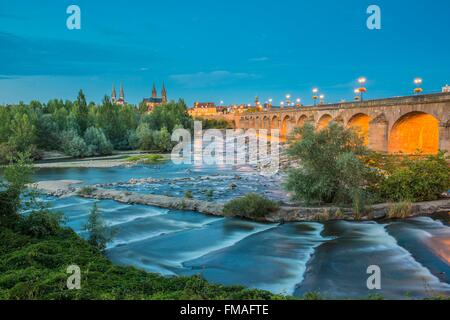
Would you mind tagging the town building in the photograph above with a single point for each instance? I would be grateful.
(202, 109)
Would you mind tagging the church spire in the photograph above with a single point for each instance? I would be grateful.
(122, 95)
(154, 93)
(164, 94)
(113, 94)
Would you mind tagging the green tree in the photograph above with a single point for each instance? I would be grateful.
(97, 143)
(330, 166)
(169, 116)
(16, 177)
(81, 112)
(145, 136)
(73, 145)
(162, 140)
(48, 134)
(421, 179)
(23, 133)
(99, 233)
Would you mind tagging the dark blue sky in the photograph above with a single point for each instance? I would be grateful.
(212, 50)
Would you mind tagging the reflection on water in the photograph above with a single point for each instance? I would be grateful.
(331, 258)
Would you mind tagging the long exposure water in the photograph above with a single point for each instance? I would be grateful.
(295, 258)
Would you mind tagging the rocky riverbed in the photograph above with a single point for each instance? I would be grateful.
(64, 188)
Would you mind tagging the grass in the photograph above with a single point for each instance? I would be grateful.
(146, 159)
(250, 206)
(399, 210)
(86, 191)
(188, 194)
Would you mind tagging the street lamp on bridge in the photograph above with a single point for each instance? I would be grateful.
(362, 81)
(322, 97)
(288, 100)
(357, 97)
(315, 97)
(418, 89)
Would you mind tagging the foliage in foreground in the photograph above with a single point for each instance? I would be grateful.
(99, 233)
(36, 251)
(336, 168)
(331, 169)
(417, 179)
(35, 268)
(250, 206)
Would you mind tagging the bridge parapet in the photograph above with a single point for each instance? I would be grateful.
(386, 102)
(414, 122)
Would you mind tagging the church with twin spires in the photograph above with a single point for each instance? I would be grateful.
(154, 101)
(151, 102)
(121, 101)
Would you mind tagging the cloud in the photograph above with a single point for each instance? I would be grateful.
(2, 77)
(210, 79)
(29, 56)
(259, 59)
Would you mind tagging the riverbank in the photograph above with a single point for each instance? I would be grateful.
(65, 188)
(119, 159)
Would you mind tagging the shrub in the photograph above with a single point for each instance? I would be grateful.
(86, 191)
(41, 224)
(99, 233)
(331, 168)
(162, 140)
(17, 175)
(250, 206)
(145, 136)
(399, 210)
(209, 193)
(188, 194)
(147, 158)
(73, 145)
(422, 179)
(96, 142)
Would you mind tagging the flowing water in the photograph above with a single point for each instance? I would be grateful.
(295, 258)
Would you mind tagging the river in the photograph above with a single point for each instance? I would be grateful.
(330, 258)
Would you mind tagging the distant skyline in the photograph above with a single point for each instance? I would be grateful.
(230, 50)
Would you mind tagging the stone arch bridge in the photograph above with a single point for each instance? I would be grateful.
(395, 125)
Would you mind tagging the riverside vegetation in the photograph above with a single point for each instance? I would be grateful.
(81, 129)
(36, 250)
(336, 169)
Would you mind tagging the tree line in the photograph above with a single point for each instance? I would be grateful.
(81, 129)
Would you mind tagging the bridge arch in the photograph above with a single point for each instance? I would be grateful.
(415, 132)
(301, 121)
(360, 123)
(285, 126)
(252, 123)
(324, 121)
(274, 122)
(266, 123)
(257, 123)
